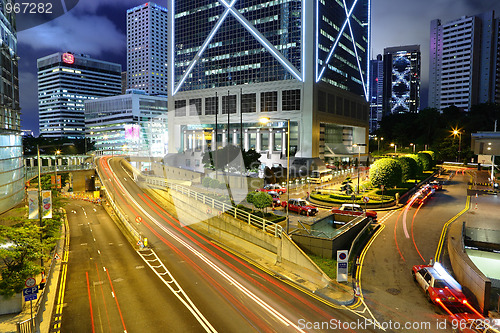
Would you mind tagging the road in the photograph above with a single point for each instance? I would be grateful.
(229, 294)
(108, 287)
(386, 281)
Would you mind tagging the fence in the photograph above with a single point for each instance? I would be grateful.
(225, 207)
(123, 217)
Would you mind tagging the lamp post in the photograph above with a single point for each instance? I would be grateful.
(395, 147)
(378, 145)
(359, 145)
(459, 133)
(413, 145)
(57, 152)
(265, 120)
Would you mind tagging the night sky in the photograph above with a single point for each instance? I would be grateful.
(97, 28)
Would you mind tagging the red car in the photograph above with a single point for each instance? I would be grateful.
(423, 195)
(274, 188)
(300, 206)
(436, 185)
(355, 210)
(439, 286)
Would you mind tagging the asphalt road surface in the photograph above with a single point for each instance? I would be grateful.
(228, 293)
(409, 239)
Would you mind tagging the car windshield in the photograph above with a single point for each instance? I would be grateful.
(301, 203)
(439, 284)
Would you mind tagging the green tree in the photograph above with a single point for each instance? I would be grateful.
(346, 186)
(206, 182)
(250, 197)
(387, 172)
(214, 183)
(18, 257)
(262, 200)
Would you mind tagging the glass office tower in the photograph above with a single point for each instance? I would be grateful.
(11, 150)
(302, 60)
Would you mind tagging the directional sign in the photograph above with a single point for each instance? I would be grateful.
(30, 291)
(30, 297)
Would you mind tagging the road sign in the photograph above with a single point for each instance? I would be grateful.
(138, 219)
(342, 263)
(366, 199)
(30, 291)
(30, 282)
(30, 297)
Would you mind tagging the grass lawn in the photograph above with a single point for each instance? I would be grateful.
(329, 266)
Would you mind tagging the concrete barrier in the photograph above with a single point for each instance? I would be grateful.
(228, 230)
(12, 304)
(476, 286)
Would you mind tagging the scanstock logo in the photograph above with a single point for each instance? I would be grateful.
(31, 13)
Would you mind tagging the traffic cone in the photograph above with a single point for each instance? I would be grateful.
(357, 291)
(476, 206)
(476, 195)
(43, 282)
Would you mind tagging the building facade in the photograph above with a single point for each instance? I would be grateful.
(376, 92)
(496, 53)
(134, 123)
(402, 79)
(11, 149)
(233, 63)
(463, 63)
(147, 48)
(65, 81)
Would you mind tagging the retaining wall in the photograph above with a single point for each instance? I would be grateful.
(282, 251)
(475, 284)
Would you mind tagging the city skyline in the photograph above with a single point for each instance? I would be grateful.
(70, 33)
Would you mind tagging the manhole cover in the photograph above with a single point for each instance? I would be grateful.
(393, 291)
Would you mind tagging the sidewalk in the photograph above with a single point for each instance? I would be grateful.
(8, 322)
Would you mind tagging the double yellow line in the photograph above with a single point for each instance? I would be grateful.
(62, 283)
(439, 249)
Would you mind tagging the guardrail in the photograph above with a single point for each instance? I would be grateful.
(123, 217)
(224, 207)
(32, 172)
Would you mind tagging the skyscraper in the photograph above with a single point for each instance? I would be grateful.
(463, 63)
(11, 149)
(306, 61)
(496, 53)
(376, 92)
(134, 123)
(147, 48)
(401, 79)
(65, 81)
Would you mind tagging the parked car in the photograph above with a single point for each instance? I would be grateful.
(273, 187)
(276, 198)
(300, 206)
(438, 287)
(355, 210)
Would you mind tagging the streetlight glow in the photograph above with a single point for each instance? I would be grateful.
(264, 120)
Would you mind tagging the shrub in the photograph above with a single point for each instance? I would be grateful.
(214, 183)
(420, 165)
(262, 200)
(250, 197)
(426, 160)
(409, 167)
(432, 155)
(206, 182)
(387, 172)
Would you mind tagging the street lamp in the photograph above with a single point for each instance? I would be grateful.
(378, 145)
(395, 147)
(412, 145)
(359, 158)
(57, 152)
(265, 120)
(459, 133)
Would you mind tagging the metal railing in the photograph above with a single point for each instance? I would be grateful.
(32, 172)
(123, 217)
(221, 207)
